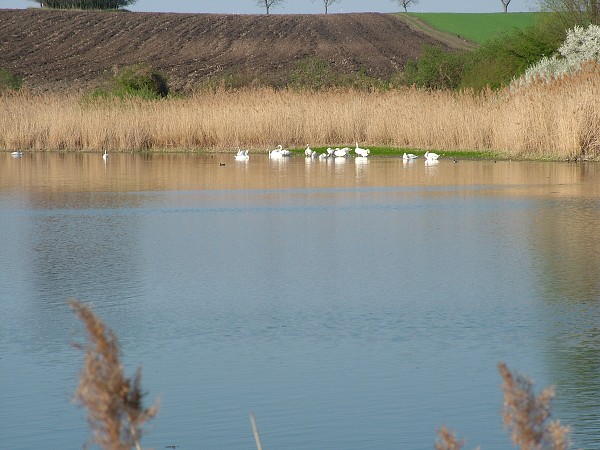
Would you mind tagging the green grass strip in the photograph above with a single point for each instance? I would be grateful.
(478, 27)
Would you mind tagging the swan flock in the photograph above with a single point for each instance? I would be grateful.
(344, 152)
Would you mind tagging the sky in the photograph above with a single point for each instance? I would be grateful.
(310, 6)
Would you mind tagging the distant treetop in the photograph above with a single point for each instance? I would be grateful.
(84, 4)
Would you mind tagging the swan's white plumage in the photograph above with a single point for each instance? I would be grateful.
(429, 156)
(242, 155)
(361, 151)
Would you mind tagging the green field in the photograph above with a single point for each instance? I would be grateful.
(478, 27)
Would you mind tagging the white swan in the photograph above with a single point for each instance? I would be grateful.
(277, 153)
(409, 156)
(242, 155)
(341, 152)
(16, 154)
(361, 151)
(105, 155)
(429, 156)
(330, 151)
(309, 152)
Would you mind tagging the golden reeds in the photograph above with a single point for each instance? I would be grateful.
(113, 402)
(528, 416)
(560, 120)
(447, 440)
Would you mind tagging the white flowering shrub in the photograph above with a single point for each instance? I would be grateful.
(581, 45)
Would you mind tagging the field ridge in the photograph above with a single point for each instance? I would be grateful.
(61, 50)
(452, 40)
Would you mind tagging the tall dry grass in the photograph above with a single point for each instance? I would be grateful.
(561, 120)
(114, 403)
(447, 440)
(527, 415)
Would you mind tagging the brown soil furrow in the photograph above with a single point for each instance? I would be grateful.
(58, 50)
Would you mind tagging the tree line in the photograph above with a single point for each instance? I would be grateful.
(265, 4)
(84, 4)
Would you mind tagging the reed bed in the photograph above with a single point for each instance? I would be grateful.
(560, 120)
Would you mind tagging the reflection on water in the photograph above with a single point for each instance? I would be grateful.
(566, 250)
(150, 172)
(350, 303)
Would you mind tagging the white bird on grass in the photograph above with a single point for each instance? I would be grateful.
(309, 153)
(341, 152)
(361, 151)
(429, 156)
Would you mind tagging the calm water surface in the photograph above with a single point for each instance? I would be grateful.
(349, 304)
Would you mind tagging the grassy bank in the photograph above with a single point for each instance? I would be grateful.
(559, 121)
(478, 27)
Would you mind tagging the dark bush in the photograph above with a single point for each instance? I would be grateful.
(142, 79)
(9, 81)
(138, 80)
(435, 69)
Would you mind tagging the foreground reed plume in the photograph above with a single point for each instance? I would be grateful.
(528, 416)
(114, 403)
(447, 440)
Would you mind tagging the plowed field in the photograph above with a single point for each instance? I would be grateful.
(60, 50)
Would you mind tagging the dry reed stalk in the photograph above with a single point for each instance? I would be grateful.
(528, 415)
(560, 120)
(447, 440)
(255, 431)
(113, 402)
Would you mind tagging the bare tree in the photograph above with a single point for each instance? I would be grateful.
(328, 3)
(574, 12)
(406, 3)
(268, 3)
(505, 4)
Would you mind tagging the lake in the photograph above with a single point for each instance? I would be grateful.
(347, 304)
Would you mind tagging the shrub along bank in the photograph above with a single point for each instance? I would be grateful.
(493, 65)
